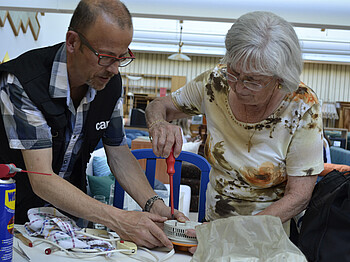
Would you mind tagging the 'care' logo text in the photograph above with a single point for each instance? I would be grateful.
(102, 125)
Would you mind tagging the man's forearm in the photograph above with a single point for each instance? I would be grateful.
(67, 197)
(60, 192)
(129, 173)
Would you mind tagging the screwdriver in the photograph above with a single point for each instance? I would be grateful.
(170, 161)
(20, 236)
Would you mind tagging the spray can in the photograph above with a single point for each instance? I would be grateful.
(7, 217)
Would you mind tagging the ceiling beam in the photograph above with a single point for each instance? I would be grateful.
(305, 13)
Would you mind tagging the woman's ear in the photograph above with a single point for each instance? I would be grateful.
(72, 41)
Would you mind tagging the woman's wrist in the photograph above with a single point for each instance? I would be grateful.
(155, 122)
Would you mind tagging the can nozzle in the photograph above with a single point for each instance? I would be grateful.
(8, 170)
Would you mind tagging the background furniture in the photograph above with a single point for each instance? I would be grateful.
(192, 158)
(141, 89)
(138, 118)
(100, 181)
(338, 134)
(344, 115)
(340, 155)
(161, 167)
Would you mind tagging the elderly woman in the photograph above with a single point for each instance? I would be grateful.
(264, 126)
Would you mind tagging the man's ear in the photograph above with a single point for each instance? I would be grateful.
(72, 41)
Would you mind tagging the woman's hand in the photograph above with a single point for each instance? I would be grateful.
(191, 233)
(163, 210)
(164, 137)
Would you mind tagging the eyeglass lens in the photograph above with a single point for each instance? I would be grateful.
(247, 84)
(107, 61)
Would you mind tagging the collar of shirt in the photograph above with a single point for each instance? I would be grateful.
(59, 84)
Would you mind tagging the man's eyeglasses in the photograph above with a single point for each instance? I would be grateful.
(104, 59)
(253, 86)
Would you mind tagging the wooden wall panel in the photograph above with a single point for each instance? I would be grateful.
(331, 82)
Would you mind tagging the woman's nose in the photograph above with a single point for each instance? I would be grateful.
(239, 84)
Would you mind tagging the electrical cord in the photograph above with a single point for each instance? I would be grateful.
(97, 237)
(75, 254)
(167, 256)
(79, 253)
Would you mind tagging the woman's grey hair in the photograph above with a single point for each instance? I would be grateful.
(264, 43)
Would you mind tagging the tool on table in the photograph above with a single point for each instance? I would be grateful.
(170, 161)
(128, 247)
(24, 240)
(10, 170)
(21, 252)
(50, 250)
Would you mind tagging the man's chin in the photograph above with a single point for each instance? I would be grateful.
(98, 87)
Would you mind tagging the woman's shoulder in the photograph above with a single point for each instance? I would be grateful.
(303, 94)
(218, 71)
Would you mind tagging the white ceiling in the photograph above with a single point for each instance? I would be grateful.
(206, 23)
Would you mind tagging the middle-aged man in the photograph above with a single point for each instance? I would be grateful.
(56, 104)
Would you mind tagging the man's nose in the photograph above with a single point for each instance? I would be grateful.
(114, 68)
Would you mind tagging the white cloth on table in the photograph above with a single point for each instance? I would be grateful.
(56, 227)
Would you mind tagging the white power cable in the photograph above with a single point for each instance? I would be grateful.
(167, 256)
(97, 237)
(76, 254)
(90, 253)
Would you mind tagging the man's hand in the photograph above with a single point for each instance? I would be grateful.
(140, 228)
(165, 136)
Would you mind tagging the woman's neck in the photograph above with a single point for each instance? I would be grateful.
(255, 113)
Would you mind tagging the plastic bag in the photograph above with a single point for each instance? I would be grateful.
(245, 238)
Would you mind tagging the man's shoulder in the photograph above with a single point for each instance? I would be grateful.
(32, 63)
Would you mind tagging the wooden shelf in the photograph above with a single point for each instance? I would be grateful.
(147, 88)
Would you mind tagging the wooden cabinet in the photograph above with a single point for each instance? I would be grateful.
(140, 89)
(344, 115)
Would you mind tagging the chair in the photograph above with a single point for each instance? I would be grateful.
(192, 158)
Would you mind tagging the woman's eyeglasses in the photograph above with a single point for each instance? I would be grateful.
(253, 86)
(104, 59)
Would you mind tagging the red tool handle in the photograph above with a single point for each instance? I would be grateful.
(170, 161)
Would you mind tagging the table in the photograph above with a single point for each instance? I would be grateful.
(37, 254)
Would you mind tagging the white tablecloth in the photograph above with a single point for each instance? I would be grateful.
(37, 254)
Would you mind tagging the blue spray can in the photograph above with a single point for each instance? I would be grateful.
(7, 217)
